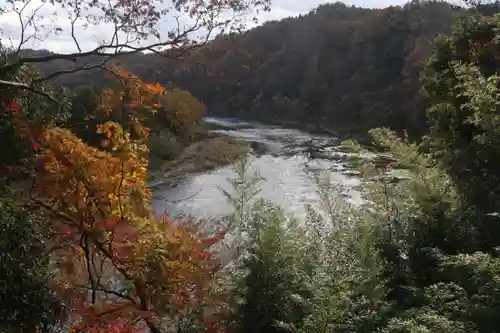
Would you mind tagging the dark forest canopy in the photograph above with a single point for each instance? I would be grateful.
(339, 66)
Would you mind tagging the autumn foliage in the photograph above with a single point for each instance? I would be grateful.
(117, 267)
(133, 93)
(150, 103)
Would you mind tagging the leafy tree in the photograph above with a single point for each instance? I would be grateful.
(158, 108)
(267, 290)
(27, 303)
(460, 81)
(323, 274)
(84, 118)
(117, 263)
(344, 267)
(113, 264)
(275, 294)
(436, 224)
(181, 112)
(22, 113)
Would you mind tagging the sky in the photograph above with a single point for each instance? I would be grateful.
(90, 37)
(286, 8)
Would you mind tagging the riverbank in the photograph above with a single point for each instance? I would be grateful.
(208, 153)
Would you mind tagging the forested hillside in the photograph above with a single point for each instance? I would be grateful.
(338, 66)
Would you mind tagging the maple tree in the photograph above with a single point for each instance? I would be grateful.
(115, 261)
(141, 102)
(117, 266)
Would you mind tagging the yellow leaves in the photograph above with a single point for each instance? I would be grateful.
(102, 215)
(89, 184)
(110, 129)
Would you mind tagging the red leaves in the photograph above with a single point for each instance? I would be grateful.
(13, 106)
(35, 146)
(209, 322)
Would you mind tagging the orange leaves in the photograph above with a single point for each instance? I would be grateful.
(115, 260)
(137, 101)
(146, 132)
(109, 129)
(120, 72)
(133, 94)
(103, 219)
(90, 185)
(155, 89)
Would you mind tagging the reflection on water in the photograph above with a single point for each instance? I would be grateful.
(287, 165)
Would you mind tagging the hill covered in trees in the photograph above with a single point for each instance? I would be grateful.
(338, 66)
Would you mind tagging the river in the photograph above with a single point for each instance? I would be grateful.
(285, 157)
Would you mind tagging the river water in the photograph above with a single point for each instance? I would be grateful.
(286, 158)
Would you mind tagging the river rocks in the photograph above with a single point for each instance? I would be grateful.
(259, 148)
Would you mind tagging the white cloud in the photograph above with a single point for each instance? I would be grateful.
(46, 27)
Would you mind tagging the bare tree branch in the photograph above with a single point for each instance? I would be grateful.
(73, 21)
(140, 19)
(83, 67)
